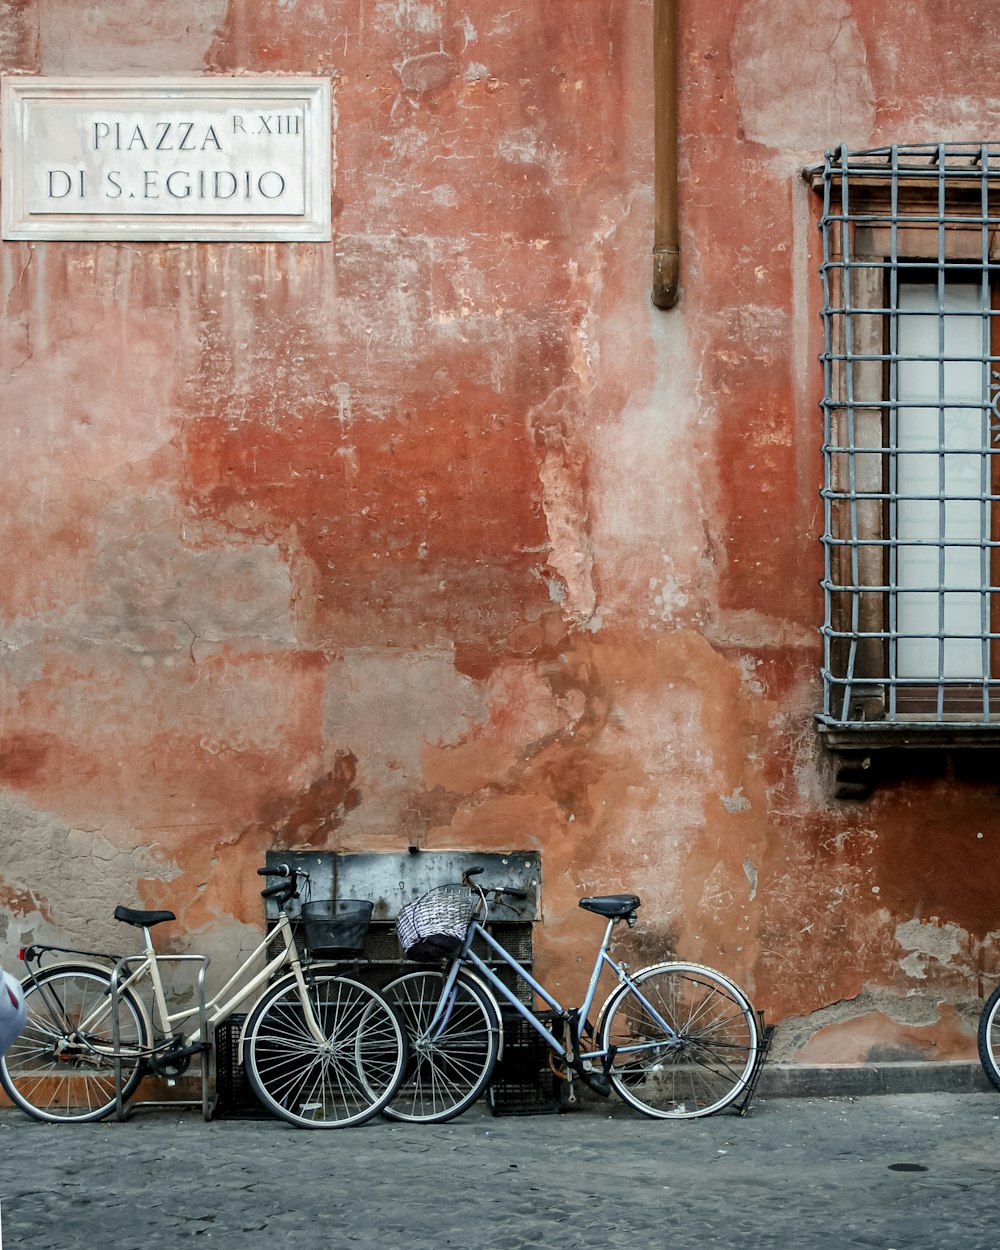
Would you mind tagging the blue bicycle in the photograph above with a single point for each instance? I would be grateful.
(675, 1040)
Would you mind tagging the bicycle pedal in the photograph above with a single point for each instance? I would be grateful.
(599, 1083)
(174, 1062)
(595, 1081)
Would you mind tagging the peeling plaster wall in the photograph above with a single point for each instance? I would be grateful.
(441, 535)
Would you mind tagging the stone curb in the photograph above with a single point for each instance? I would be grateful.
(849, 1080)
(777, 1080)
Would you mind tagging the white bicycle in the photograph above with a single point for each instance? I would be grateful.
(320, 1049)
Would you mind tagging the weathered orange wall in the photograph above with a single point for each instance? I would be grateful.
(440, 534)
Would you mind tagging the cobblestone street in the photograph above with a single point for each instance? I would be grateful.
(898, 1172)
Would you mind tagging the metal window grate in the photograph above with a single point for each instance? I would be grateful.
(911, 481)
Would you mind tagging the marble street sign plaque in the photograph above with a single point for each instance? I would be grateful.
(166, 158)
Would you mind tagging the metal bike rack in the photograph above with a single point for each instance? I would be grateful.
(124, 1110)
(742, 1104)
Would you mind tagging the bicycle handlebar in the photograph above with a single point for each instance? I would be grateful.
(496, 890)
(278, 891)
(286, 889)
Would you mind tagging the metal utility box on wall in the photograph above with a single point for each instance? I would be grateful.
(393, 880)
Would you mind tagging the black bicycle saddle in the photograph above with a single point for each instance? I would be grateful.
(611, 905)
(142, 919)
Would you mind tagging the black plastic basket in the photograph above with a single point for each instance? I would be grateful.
(235, 1100)
(336, 927)
(523, 1081)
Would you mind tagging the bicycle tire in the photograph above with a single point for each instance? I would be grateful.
(989, 1038)
(446, 1074)
(53, 1073)
(346, 1080)
(705, 1066)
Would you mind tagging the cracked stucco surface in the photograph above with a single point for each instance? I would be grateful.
(820, 92)
(926, 942)
(441, 535)
(75, 866)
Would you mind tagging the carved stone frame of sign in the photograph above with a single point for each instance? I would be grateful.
(195, 159)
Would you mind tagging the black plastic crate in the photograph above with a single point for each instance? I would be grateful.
(516, 939)
(524, 1082)
(234, 1099)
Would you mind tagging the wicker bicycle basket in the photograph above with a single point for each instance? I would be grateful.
(433, 927)
(337, 927)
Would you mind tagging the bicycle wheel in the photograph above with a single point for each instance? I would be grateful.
(449, 1069)
(989, 1038)
(344, 1080)
(708, 1061)
(61, 1067)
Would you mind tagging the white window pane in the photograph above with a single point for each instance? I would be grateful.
(939, 478)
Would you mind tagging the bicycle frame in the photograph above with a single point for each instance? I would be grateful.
(210, 1013)
(235, 990)
(576, 1018)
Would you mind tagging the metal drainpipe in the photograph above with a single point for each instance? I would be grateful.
(666, 238)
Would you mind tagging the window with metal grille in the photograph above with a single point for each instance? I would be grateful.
(911, 481)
